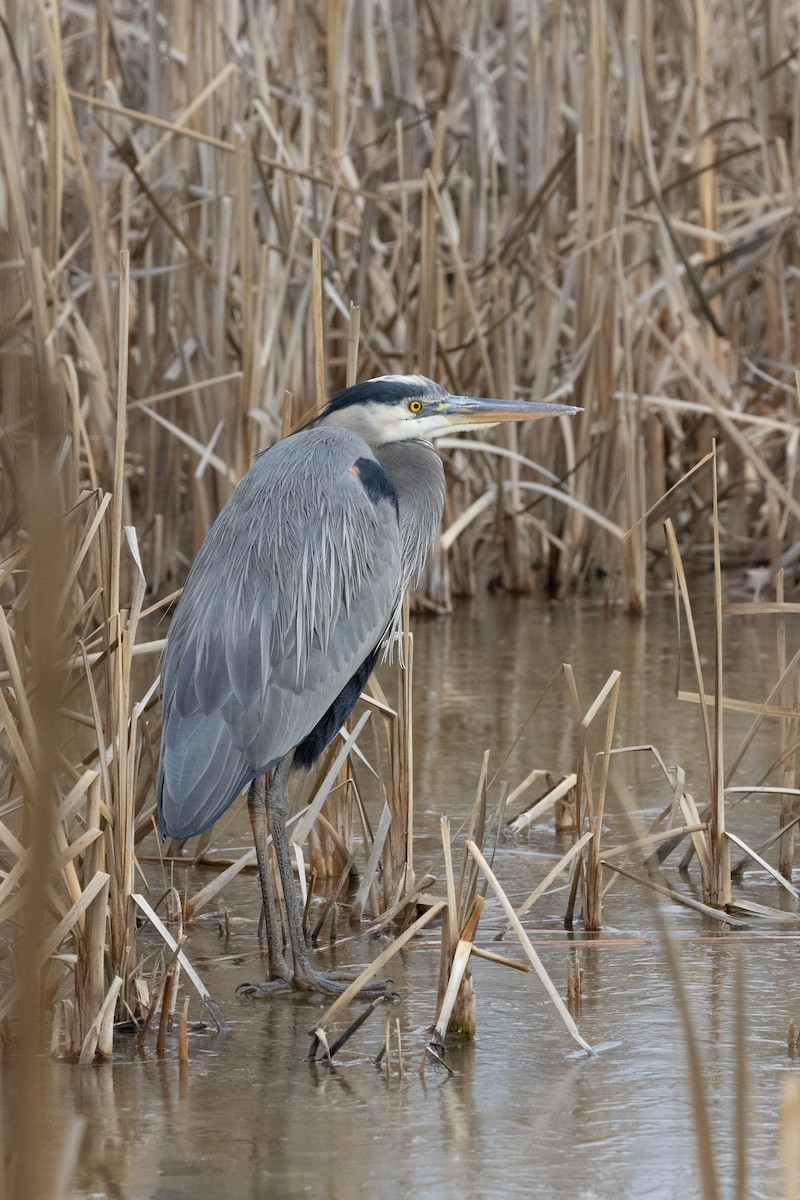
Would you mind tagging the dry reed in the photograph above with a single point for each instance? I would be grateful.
(209, 224)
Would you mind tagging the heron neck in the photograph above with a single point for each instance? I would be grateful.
(417, 475)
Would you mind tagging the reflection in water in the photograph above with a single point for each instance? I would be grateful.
(520, 1116)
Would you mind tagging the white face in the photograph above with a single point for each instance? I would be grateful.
(404, 424)
(424, 415)
(411, 418)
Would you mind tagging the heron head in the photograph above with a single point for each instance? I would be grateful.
(401, 408)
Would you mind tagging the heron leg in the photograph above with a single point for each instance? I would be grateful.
(304, 978)
(280, 976)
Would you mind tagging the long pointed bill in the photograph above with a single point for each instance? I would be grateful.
(464, 412)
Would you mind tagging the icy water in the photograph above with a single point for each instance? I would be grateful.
(523, 1112)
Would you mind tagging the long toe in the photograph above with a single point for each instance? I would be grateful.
(270, 988)
(334, 983)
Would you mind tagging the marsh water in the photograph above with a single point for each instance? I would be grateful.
(521, 1111)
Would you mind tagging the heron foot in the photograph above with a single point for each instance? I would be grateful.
(334, 983)
(270, 987)
(328, 983)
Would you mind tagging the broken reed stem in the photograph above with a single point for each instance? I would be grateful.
(353, 330)
(319, 335)
(594, 873)
(332, 898)
(574, 852)
(166, 1006)
(500, 959)
(331, 1050)
(99, 1040)
(456, 1012)
(527, 947)
(707, 910)
(716, 877)
(542, 805)
(719, 851)
(789, 729)
(183, 1033)
(445, 1022)
(450, 919)
(118, 486)
(90, 980)
(765, 866)
(468, 875)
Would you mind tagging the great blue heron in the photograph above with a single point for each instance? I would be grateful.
(292, 594)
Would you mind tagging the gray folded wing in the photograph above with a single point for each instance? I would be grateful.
(293, 587)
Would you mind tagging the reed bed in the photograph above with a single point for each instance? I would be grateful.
(210, 219)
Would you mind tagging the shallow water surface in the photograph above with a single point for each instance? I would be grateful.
(523, 1112)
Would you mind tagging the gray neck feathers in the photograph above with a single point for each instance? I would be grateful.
(417, 474)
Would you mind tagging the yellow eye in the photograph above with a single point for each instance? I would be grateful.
(415, 405)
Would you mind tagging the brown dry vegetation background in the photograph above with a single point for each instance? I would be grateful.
(212, 215)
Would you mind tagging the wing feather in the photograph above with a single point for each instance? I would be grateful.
(294, 586)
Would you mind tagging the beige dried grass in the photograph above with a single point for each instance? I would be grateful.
(196, 250)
